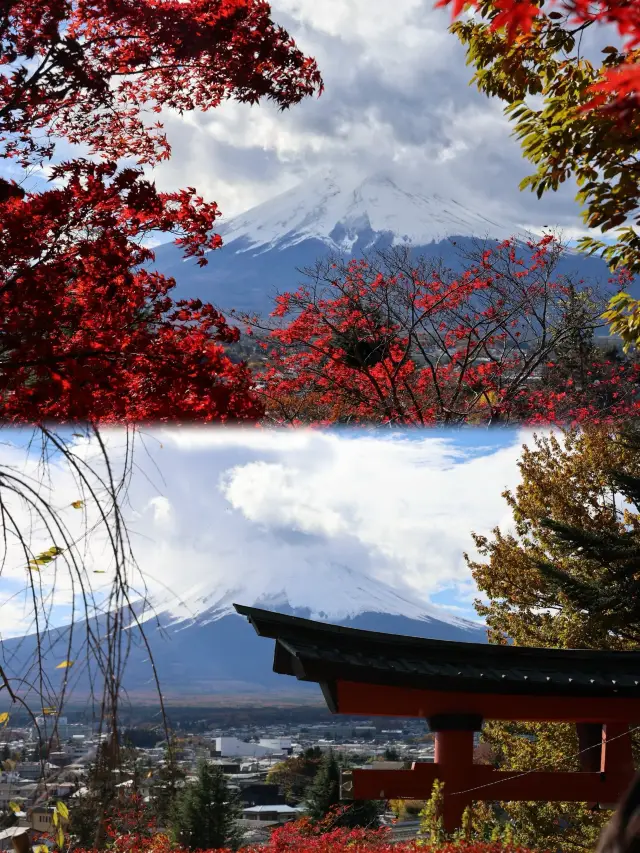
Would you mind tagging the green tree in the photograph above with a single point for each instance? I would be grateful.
(91, 808)
(164, 788)
(205, 813)
(324, 797)
(544, 79)
(613, 554)
(567, 485)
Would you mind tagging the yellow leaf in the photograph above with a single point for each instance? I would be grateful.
(41, 848)
(60, 838)
(14, 807)
(63, 811)
(77, 504)
(49, 711)
(4, 718)
(65, 664)
(99, 571)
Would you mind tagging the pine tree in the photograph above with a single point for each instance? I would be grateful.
(324, 794)
(610, 593)
(324, 797)
(205, 813)
(561, 578)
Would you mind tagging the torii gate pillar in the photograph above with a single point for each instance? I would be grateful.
(454, 757)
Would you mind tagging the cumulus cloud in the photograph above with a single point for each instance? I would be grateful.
(211, 512)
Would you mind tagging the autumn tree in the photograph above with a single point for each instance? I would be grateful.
(396, 340)
(575, 115)
(295, 775)
(87, 332)
(573, 480)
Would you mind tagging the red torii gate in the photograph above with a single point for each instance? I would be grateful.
(454, 687)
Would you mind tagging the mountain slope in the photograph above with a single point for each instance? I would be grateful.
(336, 210)
(204, 651)
(335, 214)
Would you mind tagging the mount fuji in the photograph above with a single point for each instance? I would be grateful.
(205, 653)
(336, 214)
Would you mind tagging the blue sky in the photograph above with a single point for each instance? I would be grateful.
(264, 511)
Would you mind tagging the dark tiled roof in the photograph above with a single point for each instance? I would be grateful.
(317, 651)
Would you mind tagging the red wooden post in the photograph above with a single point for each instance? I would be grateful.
(454, 757)
(454, 761)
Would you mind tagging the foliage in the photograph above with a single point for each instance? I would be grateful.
(613, 555)
(164, 786)
(87, 332)
(574, 118)
(294, 775)
(205, 812)
(324, 837)
(565, 477)
(390, 340)
(324, 798)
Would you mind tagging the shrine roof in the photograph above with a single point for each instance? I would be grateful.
(326, 654)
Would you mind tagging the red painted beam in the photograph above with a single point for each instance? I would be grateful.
(490, 784)
(380, 700)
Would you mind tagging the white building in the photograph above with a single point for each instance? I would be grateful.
(228, 747)
(272, 814)
(279, 745)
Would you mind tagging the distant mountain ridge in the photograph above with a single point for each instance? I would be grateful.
(336, 214)
(204, 651)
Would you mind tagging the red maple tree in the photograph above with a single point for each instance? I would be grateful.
(395, 341)
(87, 332)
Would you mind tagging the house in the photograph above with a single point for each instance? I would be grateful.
(41, 818)
(7, 836)
(271, 814)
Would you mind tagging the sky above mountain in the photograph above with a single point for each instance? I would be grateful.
(217, 513)
(397, 96)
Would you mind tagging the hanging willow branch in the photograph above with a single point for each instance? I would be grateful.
(95, 642)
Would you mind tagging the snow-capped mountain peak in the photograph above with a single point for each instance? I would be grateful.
(336, 209)
(337, 593)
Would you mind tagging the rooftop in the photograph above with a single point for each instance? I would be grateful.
(326, 654)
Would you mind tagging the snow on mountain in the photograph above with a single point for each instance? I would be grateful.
(338, 213)
(337, 593)
(336, 208)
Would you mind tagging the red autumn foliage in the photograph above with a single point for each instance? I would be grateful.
(619, 88)
(401, 342)
(86, 333)
(88, 70)
(130, 832)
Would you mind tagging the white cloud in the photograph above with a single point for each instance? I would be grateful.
(259, 511)
(396, 92)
